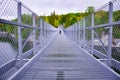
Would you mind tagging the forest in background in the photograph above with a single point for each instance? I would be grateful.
(67, 19)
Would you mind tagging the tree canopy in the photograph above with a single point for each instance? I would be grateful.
(65, 19)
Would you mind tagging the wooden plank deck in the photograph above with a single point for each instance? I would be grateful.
(63, 60)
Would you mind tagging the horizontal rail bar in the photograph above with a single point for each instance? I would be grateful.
(28, 53)
(4, 68)
(21, 25)
(99, 54)
(17, 24)
(98, 26)
(104, 25)
(23, 5)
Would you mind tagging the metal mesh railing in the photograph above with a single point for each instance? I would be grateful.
(101, 16)
(99, 33)
(116, 31)
(26, 15)
(22, 34)
(8, 10)
(88, 21)
(8, 43)
(101, 40)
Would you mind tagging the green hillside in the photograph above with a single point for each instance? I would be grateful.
(65, 19)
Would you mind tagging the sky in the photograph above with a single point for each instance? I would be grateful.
(45, 7)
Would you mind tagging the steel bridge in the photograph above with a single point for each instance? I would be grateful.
(32, 49)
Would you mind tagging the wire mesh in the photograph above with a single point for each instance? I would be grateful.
(88, 21)
(26, 15)
(116, 11)
(101, 40)
(116, 42)
(8, 10)
(102, 15)
(33, 40)
(8, 42)
(37, 19)
(82, 24)
(27, 36)
(38, 36)
(88, 39)
(102, 34)
(81, 42)
(116, 31)
(8, 49)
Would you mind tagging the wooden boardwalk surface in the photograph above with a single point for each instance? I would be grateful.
(63, 60)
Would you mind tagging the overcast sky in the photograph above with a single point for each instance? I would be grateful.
(42, 7)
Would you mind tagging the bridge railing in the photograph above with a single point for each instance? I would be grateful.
(99, 33)
(22, 34)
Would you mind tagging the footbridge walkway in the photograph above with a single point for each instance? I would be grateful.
(63, 59)
(32, 49)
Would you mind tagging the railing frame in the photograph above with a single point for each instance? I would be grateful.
(19, 32)
(108, 26)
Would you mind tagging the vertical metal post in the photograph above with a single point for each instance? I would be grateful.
(46, 31)
(78, 32)
(110, 34)
(41, 29)
(84, 38)
(34, 34)
(92, 35)
(19, 31)
(72, 33)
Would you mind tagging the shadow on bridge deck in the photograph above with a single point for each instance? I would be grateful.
(63, 60)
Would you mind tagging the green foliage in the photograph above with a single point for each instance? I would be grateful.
(90, 9)
(101, 17)
(10, 29)
(64, 19)
(27, 19)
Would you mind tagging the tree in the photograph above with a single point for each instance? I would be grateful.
(56, 23)
(65, 19)
(90, 9)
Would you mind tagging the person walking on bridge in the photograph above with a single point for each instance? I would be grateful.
(60, 31)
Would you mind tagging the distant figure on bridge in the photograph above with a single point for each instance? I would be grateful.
(60, 31)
